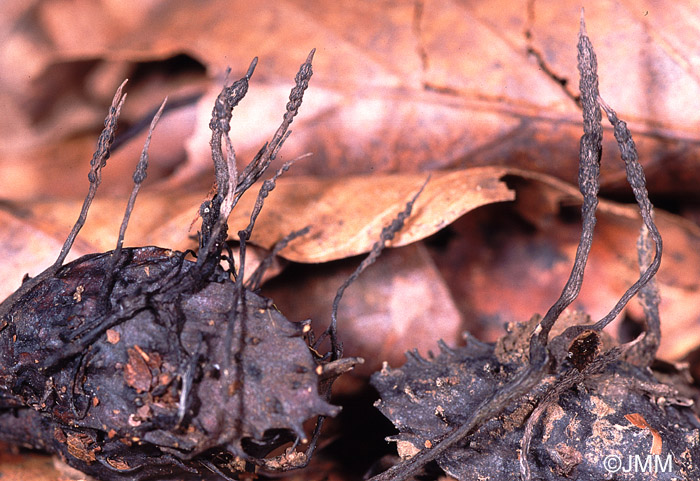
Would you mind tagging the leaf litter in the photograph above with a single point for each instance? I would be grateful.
(375, 69)
(342, 223)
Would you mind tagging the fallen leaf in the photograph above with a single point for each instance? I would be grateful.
(401, 88)
(346, 215)
(27, 249)
(21, 467)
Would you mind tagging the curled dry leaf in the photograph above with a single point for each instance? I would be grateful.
(487, 269)
(507, 100)
(345, 214)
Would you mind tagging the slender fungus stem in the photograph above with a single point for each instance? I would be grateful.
(644, 352)
(531, 375)
(637, 180)
(225, 173)
(139, 176)
(386, 235)
(215, 212)
(589, 173)
(99, 160)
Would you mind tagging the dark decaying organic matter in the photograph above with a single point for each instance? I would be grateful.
(140, 363)
(571, 407)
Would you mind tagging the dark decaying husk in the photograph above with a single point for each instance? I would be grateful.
(427, 398)
(142, 364)
(160, 379)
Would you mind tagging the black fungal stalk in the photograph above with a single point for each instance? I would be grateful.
(478, 412)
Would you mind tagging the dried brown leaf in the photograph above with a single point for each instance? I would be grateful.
(401, 87)
(345, 214)
(22, 467)
(27, 247)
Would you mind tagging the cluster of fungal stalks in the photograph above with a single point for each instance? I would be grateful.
(117, 361)
(532, 407)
